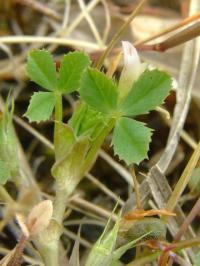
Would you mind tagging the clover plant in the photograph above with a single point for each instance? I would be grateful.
(105, 105)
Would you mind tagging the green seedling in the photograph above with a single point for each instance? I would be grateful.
(103, 102)
(104, 105)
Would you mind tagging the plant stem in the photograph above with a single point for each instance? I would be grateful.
(60, 201)
(50, 249)
(62, 193)
(58, 115)
(91, 156)
(50, 246)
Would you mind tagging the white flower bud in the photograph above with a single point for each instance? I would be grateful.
(132, 69)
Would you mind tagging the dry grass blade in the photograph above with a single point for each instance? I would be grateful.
(7, 258)
(106, 190)
(186, 81)
(9, 253)
(157, 182)
(161, 191)
(79, 18)
(48, 40)
(193, 213)
(119, 34)
(183, 180)
(73, 236)
(93, 207)
(170, 29)
(91, 23)
(118, 167)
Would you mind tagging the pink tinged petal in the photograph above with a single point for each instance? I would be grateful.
(131, 57)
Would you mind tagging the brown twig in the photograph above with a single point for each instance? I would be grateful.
(179, 38)
(193, 213)
(170, 29)
(18, 252)
(178, 246)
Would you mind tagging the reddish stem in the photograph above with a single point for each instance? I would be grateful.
(181, 37)
(17, 256)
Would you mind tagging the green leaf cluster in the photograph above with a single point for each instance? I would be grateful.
(130, 138)
(100, 102)
(86, 121)
(42, 70)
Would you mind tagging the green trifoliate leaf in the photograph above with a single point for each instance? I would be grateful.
(98, 91)
(41, 69)
(148, 92)
(131, 140)
(5, 173)
(41, 106)
(71, 70)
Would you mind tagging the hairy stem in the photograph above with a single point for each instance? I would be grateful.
(50, 247)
